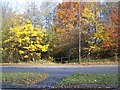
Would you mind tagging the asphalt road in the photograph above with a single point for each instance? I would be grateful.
(63, 70)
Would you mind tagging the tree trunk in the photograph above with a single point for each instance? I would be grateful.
(69, 55)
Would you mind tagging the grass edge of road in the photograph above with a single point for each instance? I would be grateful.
(25, 78)
(89, 80)
(60, 64)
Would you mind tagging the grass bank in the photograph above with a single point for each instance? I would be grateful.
(78, 79)
(25, 78)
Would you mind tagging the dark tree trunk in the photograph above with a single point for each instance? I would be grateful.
(69, 55)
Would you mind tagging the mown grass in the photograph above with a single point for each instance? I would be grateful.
(25, 78)
(79, 78)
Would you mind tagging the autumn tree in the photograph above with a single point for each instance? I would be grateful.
(27, 41)
(72, 15)
(109, 34)
(92, 25)
(42, 14)
(66, 21)
(9, 19)
(111, 44)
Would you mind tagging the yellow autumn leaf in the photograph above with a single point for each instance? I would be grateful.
(25, 56)
(21, 52)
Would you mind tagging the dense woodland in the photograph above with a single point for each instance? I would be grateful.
(52, 30)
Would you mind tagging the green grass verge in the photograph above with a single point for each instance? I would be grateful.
(25, 78)
(79, 78)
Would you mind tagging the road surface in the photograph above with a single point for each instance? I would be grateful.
(63, 70)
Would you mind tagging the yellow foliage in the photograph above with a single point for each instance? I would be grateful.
(94, 48)
(1, 49)
(25, 56)
(27, 37)
(21, 52)
(28, 21)
(7, 40)
(88, 14)
(39, 46)
(19, 40)
(44, 47)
